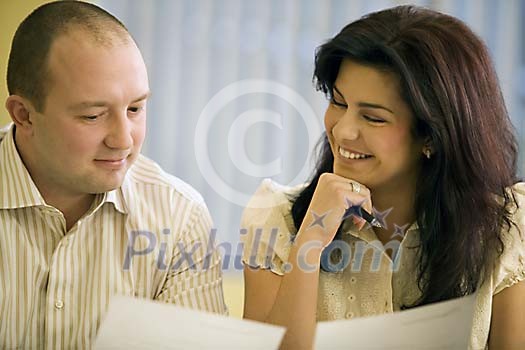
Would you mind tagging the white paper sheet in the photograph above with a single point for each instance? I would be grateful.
(142, 324)
(445, 325)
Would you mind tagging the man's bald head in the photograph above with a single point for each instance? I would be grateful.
(28, 73)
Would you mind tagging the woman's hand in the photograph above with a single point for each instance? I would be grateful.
(333, 196)
(291, 300)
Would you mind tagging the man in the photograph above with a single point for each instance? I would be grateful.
(83, 216)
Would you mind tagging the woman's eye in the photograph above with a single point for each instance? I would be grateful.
(91, 117)
(372, 119)
(338, 104)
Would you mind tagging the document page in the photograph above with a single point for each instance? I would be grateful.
(445, 325)
(143, 324)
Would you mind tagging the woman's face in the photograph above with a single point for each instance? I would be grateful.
(369, 129)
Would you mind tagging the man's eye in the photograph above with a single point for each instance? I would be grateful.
(135, 109)
(91, 117)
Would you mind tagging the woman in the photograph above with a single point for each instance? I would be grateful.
(418, 134)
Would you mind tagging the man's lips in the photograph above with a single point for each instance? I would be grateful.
(115, 158)
(112, 163)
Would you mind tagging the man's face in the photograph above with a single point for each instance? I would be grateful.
(94, 121)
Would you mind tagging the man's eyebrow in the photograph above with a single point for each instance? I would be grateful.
(143, 97)
(87, 104)
(366, 104)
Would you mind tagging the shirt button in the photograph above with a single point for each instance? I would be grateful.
(349, 315)
(59, 304)
(351, 297)
(353, 280)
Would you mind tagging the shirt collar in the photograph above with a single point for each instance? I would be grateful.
(17, 189)
(117, 198)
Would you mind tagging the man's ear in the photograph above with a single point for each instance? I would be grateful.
(20, 110)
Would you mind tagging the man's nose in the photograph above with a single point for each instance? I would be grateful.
(120, 134)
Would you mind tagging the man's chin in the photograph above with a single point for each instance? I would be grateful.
(106, 186)
(103, 181)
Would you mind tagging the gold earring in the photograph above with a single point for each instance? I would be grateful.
(427, 153)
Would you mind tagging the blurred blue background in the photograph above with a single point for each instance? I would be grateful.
(196, 48)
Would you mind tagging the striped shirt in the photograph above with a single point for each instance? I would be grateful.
(150, 238)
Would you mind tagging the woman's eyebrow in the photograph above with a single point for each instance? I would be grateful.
(365, 104)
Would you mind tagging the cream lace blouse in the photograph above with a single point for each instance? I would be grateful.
(371, 283)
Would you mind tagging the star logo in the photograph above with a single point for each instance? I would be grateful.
(353, 209)
(399, 231)
(318, 220)
(381, 216)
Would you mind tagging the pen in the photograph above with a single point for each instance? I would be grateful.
(370, 218)
(359, 211)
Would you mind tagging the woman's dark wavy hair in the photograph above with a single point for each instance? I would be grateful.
(448, 80)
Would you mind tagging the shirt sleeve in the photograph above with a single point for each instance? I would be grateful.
(265, 229)
(194, 277)
(510, 269)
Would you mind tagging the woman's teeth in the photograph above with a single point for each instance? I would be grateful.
(351, 155)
